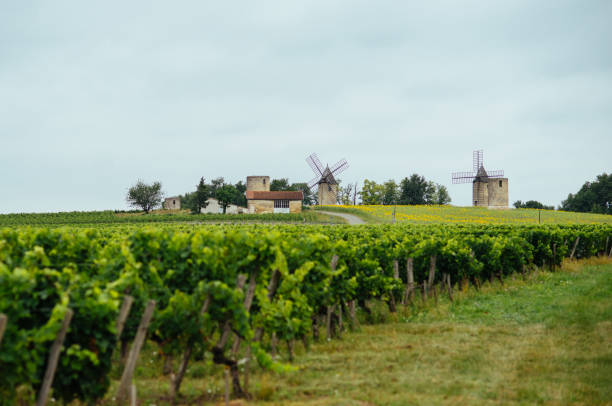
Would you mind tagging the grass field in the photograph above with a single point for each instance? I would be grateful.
(471, 215)
(544, 340)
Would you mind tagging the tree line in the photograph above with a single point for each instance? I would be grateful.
(410, 191)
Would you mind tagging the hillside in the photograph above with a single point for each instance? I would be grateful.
(462, 215)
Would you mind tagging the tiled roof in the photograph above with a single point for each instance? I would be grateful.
(261, 195)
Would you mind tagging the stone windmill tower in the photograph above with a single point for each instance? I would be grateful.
(489, 188)
(325, 181)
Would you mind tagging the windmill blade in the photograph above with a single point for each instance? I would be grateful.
(315, 164)
(314, 182)
(477, 159)
(496, 174)
(339, 167)
(463, 177)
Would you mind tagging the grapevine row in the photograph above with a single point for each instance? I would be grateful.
(257, 282)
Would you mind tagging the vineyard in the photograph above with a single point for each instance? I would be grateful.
(232, 291)
(92, 218)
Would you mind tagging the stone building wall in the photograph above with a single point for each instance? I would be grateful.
(172, 203)
(267, 206)
(295, 206)
(258, 183)
(327, 194)
(480, 194)
(498, 193)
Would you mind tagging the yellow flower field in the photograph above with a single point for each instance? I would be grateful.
(473, 215)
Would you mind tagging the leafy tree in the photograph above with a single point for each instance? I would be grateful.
(414, 190)
(240, 199)
(345, 194)
(145, 196)
(309, 197)
(390, 192)
(441, 195)
(278, 185)
(371, 192)
(226, 194)
(531, 204)
(593, 197)
(215, 184)
(200, 198)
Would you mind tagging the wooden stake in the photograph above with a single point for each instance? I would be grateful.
(133, 397)
(432, 271)
(574, 249)
(227, 374)
(126, 305)
(130, 365)
(450, 287)
(53, 359)
(554, 250)
(395, 269)
(410, 281)
(3, 320)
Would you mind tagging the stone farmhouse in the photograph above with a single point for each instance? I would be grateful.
(172, 203)
(261, 200)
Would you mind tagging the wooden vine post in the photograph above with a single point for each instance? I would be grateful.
(410, 281)
(3, 320)
(450, 287)
(432, 271)
(126, 305)
(574, 249)
(130, 365)
(53, 359)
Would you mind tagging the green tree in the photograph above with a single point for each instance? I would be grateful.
(147, 197)
(215, 184)
(593, 197)
(309, 197)
(531, 204)
(413, 190)
(226, 194)
(240, 199)
(371, 192)
(441, 195)
(200, 198)
(390, 192)
(277, 185)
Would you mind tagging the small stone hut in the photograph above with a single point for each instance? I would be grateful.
(172, 203)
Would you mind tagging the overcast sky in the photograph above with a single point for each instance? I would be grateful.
(95, 95)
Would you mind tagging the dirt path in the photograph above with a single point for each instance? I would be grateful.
(350, 218)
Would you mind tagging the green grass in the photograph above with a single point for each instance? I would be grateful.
(546, 340)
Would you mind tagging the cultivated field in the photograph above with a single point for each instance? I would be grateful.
(468, 215)
(384, 314)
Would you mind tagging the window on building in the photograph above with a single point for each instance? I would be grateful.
(475, 202)
(264, 181)
(281, 204)
(174, 202)
(500, 183)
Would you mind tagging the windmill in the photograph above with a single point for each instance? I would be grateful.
(489, 188)
(325, 181)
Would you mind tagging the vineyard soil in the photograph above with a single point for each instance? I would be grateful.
(544, 340)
